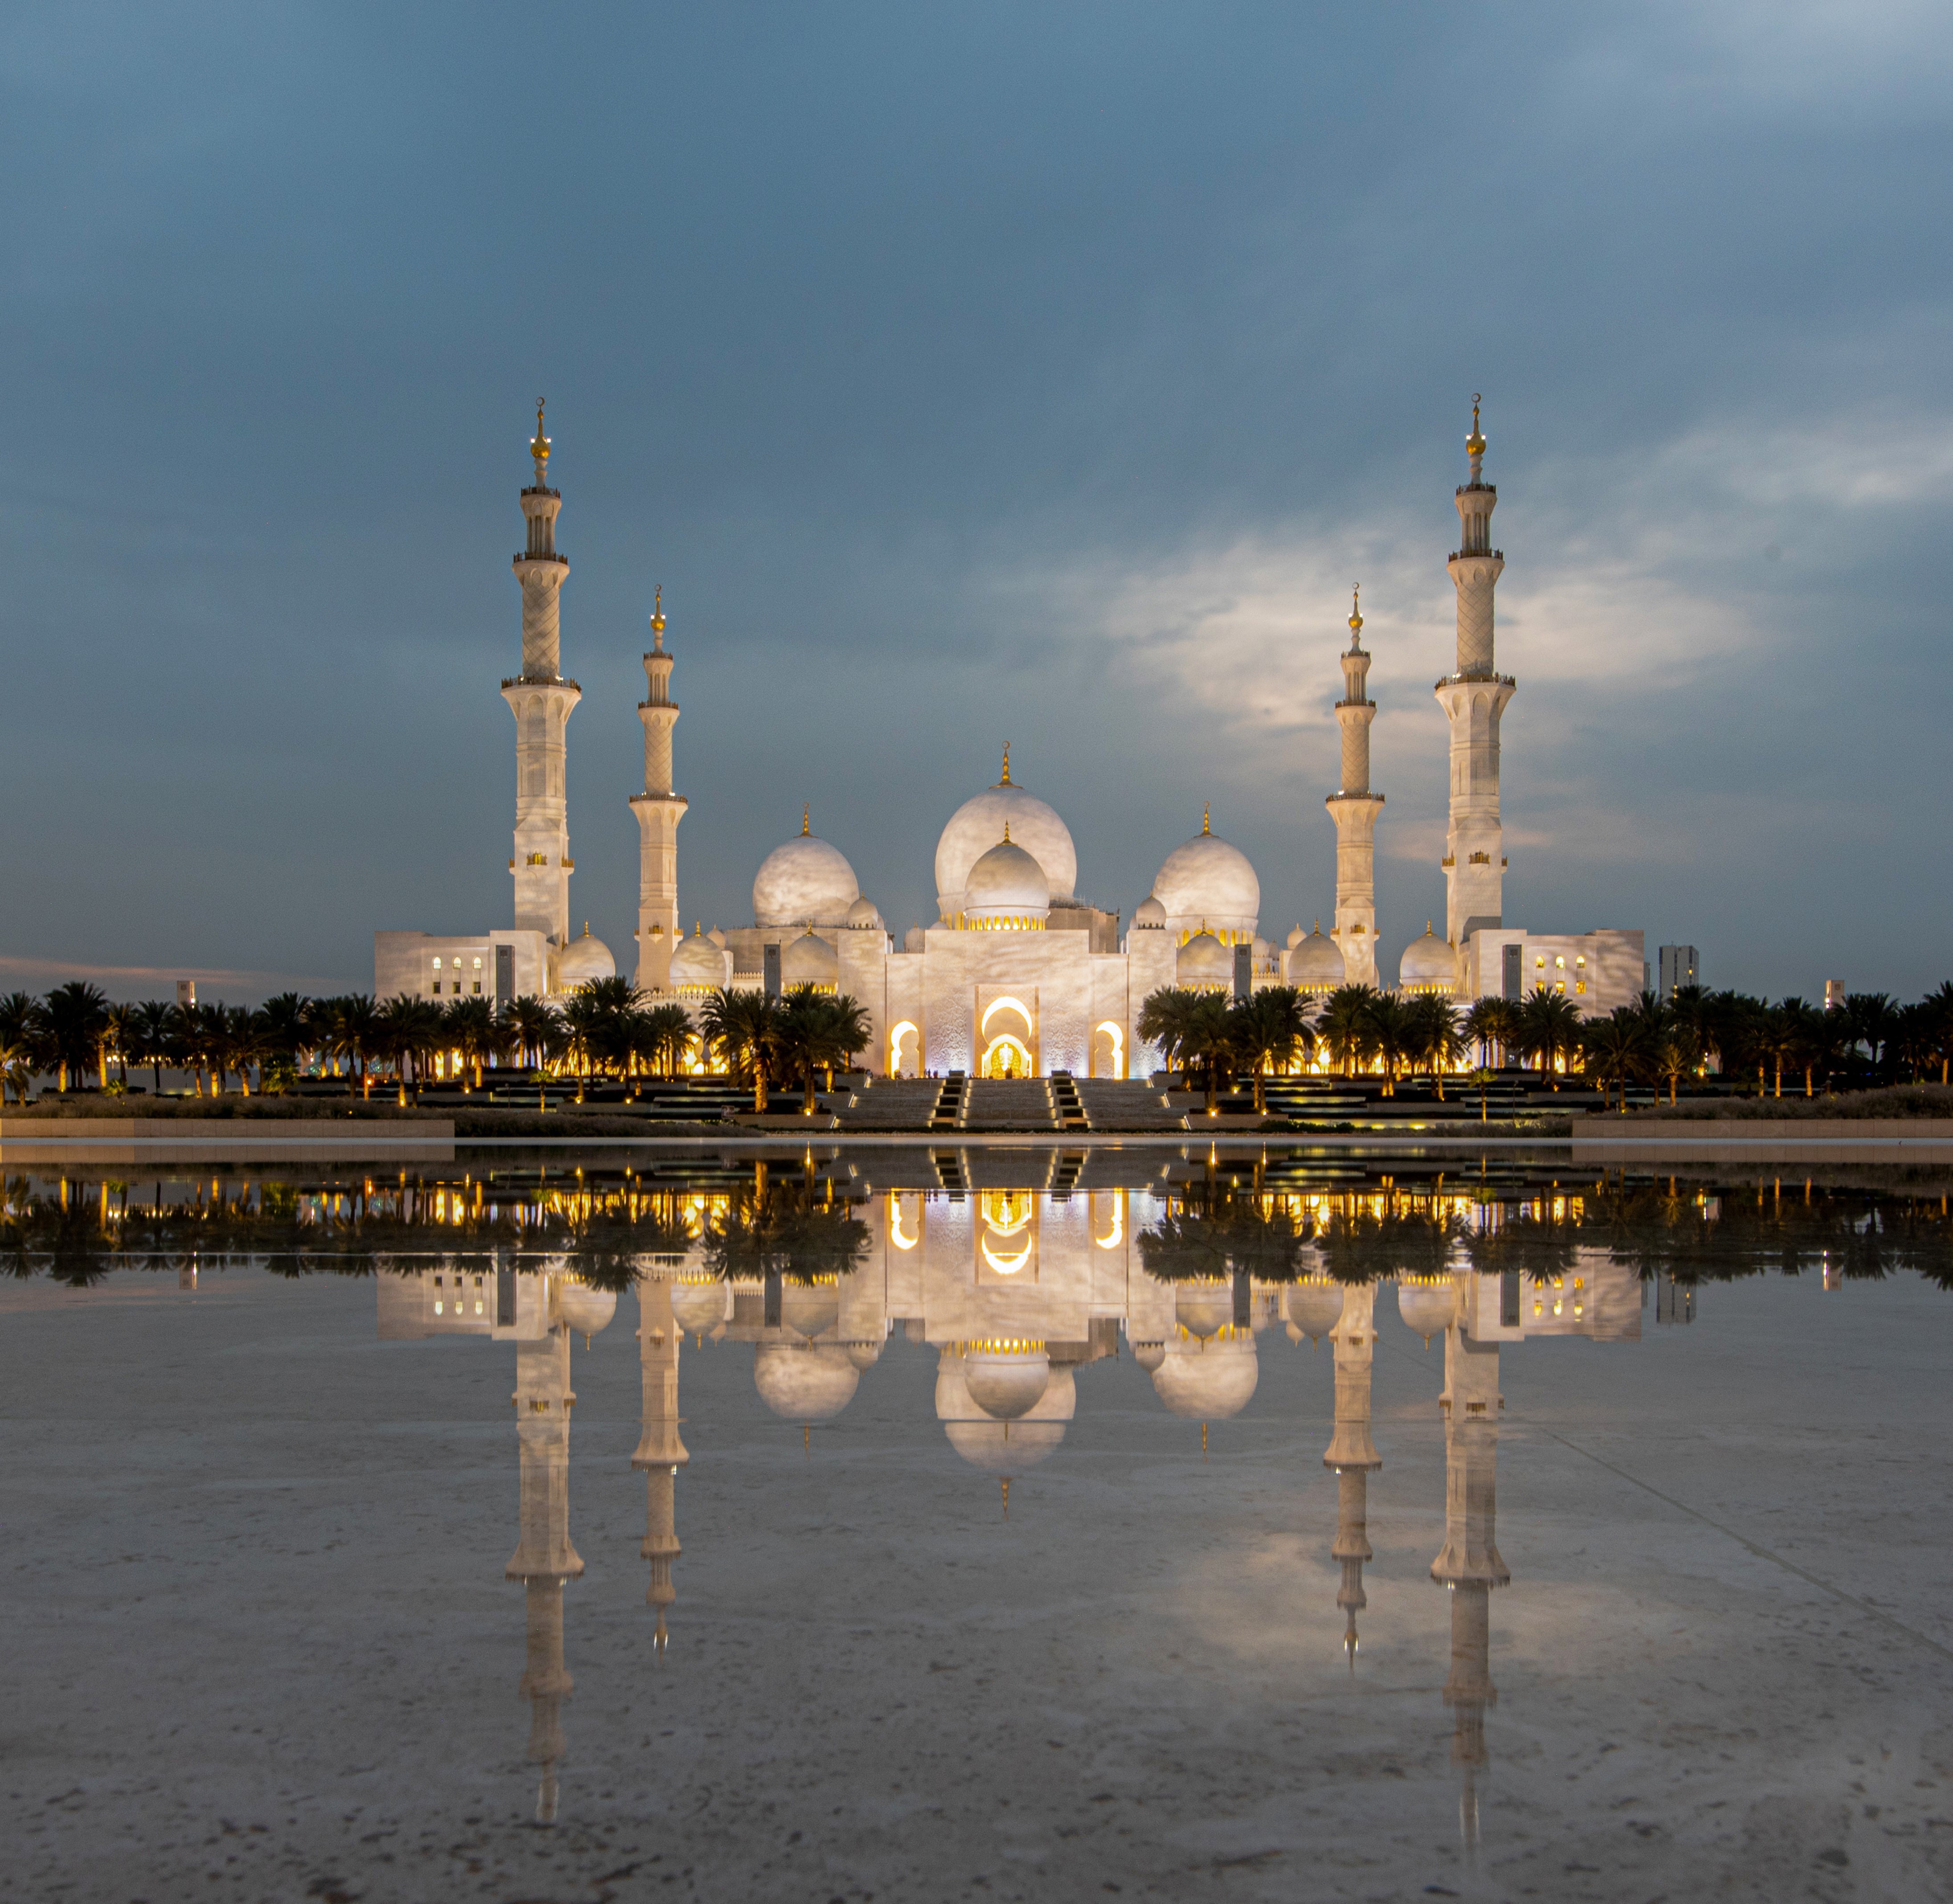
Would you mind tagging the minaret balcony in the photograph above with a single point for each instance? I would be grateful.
(529, 554)
(1479, 554)
(540, 680)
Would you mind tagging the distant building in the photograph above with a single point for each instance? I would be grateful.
(1681, 964)
(1834, 993)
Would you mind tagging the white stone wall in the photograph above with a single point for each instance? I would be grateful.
(403, 964)
(1599, 969)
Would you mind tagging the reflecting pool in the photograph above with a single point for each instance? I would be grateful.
(918, 1523)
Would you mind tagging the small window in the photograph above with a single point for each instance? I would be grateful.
(1561, 989)
(1540, 962)
(1581, 961)
(477, 985)
(478, 964)
(437, 965)
(1579, 984)
(1560, 963)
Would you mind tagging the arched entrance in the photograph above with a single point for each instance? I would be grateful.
(1108, 1051)
(1008, 1056)
(1007, 1033)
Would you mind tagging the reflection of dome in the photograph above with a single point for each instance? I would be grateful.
(863, 916)
(697, 965)
(804, 1384)
(1428, 965)
(809, 1309)
(1004, 1446)
(1006, 887)
(862, 1354)
(1208, 1381)
(1314, 1306)
(1427, 1304)
(1005, 1379)
(1207, 879)
(810, 961)
(584, 1309)
(1149, 1355)
(1202, 1308)
(699, 1306)
(978, 824)
(1315, 963)
(1204, 961)
(1149, 915)
(807, 882)
(583, 960)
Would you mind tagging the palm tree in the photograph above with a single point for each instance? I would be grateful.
(742, 1027)
(245, 1042)
(120, 1038)
(1435, 1037)
(1484, 1024)
(1271, 1027)
(662, 1032)
(1675, 1055)
(1392, 1035)
(151, 1027)
(77, 1020)
(533, 1023)
(470, 1027)
(1344, 1024)
(1940, 1005)
(1207, 1039)
(1870, 1020)
(1549, 1025)
(1163, 1021)
(287, 1023)
(1612, 1049)
(841, 1028)
(24, 1045)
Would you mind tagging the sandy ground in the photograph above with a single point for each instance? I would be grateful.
(259, 1643)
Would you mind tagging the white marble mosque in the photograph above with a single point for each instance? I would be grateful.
(1019, 975)
(1017, 1290)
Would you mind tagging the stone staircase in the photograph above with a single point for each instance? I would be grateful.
(1009, 1104)
(890, 1103)
(1126, 1104)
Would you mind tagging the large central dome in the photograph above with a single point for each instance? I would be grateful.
(978, 824)
(1208, 885)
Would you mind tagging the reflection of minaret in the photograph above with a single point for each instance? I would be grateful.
(1352, 1453)
(1469, 1564)
(660, 1453)
(543, 1559)
(1354, 808)
(659, 811)
(1474, 700)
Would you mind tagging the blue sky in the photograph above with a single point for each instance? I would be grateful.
(1023, 373)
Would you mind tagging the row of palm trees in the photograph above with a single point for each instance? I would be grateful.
(1868, 1041)
(607, 1027)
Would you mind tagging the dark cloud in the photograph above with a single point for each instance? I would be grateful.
(939, 365)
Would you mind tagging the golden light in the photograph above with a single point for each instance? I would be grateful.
(1117, 1234)
(1007, 1265)
(897, 1033)
(895, 1235)
(1001, 1004)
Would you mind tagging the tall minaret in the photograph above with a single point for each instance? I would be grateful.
(660, 1453)
(1473, 699)
(542, 703)
(659, 811)
(1354, 808)
(1352, 1453)
(1470, 1565)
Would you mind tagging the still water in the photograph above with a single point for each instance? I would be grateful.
(966, 1524)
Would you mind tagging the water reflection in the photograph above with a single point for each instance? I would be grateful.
(1019, 1289)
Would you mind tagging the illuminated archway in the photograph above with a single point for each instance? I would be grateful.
(1003, 1004)
(1115, 1035)
(1008, 1056)
(896, 1034)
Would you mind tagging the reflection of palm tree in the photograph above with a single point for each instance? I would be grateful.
(1210, 1232)
(795, 1229)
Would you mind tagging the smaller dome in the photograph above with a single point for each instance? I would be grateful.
(810, 961)
(699, 1305)
(1204, 961)
(1315, 963)
(1428, 965)
(862, 1354)
(1209, 879)
(1150, 915)
(583, 1309)
(1208, 1381)
(804, 1384)
(1261, 949)
(1427, 1304)
(1007, 883)
(862, 915)
(1204, 1308)
(1149, 1355)
(583, 960)
(1314, 1306)
(914, 940)
(1006, 1379)
(1295, 936)
(697, 965)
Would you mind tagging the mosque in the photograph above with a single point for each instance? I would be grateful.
(1019, 975)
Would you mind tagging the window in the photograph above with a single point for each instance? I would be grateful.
(477, 985)
(1540, 963)
(1560, 963)
(1579, 984)
(1561, 989)
(1581, 961)
(437, 965)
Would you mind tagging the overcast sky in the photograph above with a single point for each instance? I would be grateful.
(1045, 373)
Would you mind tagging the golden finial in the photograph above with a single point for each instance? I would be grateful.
(1356, 608)
(1006, 832)
(1006, 781)
(658, 617)
(1474, 444)
(539, 447)
(1206, 821)
(806, 819)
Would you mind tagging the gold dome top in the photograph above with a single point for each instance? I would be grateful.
(1356, 608)
(1474, 444)
(539, 448)
(657, 616)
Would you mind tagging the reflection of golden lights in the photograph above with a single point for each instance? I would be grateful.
(895, 1235)
(1007, 1265)
(1118, 1235)
(1008, 1211)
